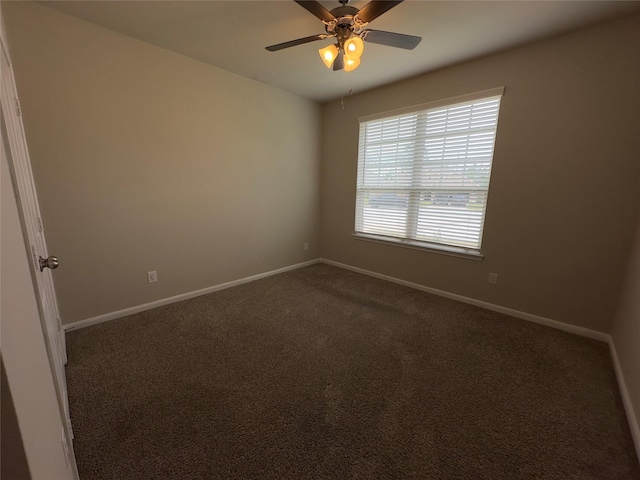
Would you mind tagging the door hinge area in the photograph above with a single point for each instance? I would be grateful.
(18, 108)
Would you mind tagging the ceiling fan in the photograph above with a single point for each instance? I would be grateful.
(347, 24)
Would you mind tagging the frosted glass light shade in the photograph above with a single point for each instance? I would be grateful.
(354, 47)
(328, 54)
(351, 64)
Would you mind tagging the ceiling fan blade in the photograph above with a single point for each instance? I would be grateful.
(317, 9)
(293, 43)
(338, 63)
(374, 9)
(399, 40)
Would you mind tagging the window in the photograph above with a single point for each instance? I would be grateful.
(423, 174)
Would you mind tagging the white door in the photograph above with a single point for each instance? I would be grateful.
(34, 229)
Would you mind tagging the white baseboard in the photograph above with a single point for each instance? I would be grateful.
(626, 398)
(585, 332)
(177, 298)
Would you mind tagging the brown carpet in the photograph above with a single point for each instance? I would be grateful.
(322, 373)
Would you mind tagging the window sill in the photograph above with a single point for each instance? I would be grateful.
(415, 245)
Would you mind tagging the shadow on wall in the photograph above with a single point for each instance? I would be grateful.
(14, 459)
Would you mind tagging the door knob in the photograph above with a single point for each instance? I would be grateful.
(49, 262)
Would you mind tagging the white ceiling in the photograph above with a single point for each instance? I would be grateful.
(232, 35)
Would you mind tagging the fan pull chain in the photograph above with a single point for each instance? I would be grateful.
(350, 94)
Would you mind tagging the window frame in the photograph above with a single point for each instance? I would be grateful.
(441, 248)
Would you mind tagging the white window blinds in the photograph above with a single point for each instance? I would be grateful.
(423, 176)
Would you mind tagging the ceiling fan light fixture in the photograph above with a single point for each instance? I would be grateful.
(346, 25)
(354, 47)
(328, 54)
(350, 64)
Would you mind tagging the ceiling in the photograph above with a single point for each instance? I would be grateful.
(232, 35)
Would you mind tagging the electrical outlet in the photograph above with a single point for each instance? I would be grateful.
(152, 277)
(306, 246)
(493, 278)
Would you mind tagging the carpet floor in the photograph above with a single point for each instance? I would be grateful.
(322, 373)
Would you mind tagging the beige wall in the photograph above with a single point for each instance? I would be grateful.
(626, 331)
(148, 160)
(24, 353)
(564, 191)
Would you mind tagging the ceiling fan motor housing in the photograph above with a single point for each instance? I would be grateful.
(345, 25)
(344, 11)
